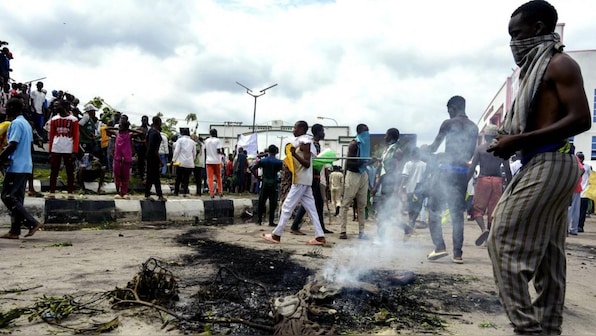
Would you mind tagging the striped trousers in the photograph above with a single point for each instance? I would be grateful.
(527, 241)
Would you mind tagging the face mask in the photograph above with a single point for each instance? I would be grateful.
(521, 48)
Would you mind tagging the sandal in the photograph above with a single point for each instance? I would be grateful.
(270, 238)
(316, 241)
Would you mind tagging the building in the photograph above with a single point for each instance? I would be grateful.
(503, 99)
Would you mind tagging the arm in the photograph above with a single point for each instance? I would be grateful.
(75, 137)
(52, 135)
(352, 152)
(473, 165)
(303, 160)
(9, 149)
(566, 76)
(440, 136)
(255, 170)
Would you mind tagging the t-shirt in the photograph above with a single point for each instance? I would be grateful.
(303, 175)
(585, 177)
(211, 146)
(271, 166)
(20, 131)
(153, 142)
(38, 97)
(64, 134)
(88, 124)
(414, 170)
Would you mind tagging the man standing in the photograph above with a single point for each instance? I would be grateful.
(388, 180)
(185, 150)
(199, 164)
(87, 129)
(213, 162)
(336, 181)
(140, 142)
(17, 156)
(63, 146)
(527, 240)
(38, 99)
(269, 183)
(153, 160)
(356, 180)
(301, 153)
(460, 135)
(240, 164)
(489, 184)
(584, 202)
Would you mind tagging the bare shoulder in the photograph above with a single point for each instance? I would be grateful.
(562, 67)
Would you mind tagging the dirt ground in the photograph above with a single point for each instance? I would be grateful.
(96, 261)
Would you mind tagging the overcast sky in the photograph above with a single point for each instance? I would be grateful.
(384, 63)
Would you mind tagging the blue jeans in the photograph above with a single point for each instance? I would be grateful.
(449, 188)
(164, 162)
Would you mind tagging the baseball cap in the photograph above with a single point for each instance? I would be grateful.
(90, 107)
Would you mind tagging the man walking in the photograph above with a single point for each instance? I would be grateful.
(301, 151)
(460, 135)
(527, 240)
(356, 180)
(17, 156)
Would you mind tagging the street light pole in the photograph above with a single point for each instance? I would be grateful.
(335, 121)
(281, 143)
(262, 92)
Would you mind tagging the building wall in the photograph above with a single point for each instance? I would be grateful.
(585, 142)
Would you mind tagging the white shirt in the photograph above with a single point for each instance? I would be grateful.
(163, 146)
(414, 171)
(586, 178)
(184, 152)
(38, 98)
(211, 146)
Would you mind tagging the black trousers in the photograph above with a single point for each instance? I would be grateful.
(583, 208)
(198, 173)
(182, 178)
(153, 177)
(13, 196)
(268, 193)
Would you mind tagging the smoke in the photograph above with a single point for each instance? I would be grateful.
(387, 249)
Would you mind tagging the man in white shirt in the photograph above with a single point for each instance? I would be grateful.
(184, 154)
(38, 98)
(584, 201)
(213, 152)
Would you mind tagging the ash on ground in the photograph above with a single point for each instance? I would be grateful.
(237, 287)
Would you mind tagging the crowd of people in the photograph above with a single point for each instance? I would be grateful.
(528, 216)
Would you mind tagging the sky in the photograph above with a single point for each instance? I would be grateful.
(385, 63)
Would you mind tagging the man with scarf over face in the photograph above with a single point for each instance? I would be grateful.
(527, 240)
(450, 183)
(356, 180)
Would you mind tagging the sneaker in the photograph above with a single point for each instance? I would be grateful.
(482, 238)
(343, 235)
(458, 260)
(434, 255)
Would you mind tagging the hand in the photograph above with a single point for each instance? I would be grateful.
(504, 146)
(293, 150)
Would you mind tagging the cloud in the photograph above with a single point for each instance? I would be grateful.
(386, 63)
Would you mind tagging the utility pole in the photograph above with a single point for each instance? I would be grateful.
(262, 92)
(281, 143)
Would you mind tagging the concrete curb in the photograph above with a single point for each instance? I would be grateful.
(104, 209)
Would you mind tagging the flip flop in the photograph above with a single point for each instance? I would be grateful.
(34, 229)
(269, 237)
(436, 255)
(482, 238)
(314, 241)
(9, 236)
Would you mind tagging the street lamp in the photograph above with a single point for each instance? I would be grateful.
(262, 92)
(335, 121)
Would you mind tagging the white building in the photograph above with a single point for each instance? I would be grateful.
(585, 142)
(277, 133)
